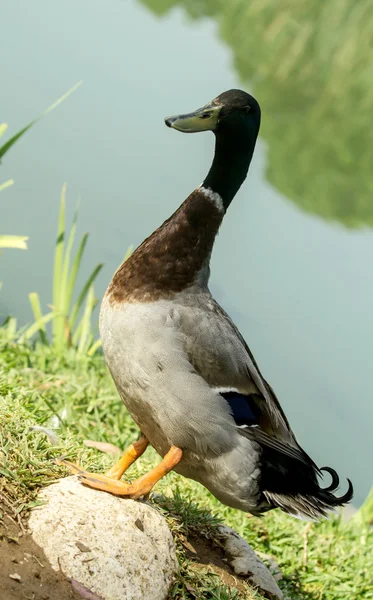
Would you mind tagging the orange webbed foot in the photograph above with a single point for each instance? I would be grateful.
(110, 481)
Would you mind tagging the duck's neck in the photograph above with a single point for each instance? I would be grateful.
(234, 148)
(176, 256)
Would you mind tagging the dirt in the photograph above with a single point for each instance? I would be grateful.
(207, 553)
(25, 573)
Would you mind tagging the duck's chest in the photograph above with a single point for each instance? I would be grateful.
(133, 340)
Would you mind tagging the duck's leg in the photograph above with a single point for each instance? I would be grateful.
(132, 453)
(140, 486)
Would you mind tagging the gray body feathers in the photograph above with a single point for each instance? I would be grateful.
(170, 361)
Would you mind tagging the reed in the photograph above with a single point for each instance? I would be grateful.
(71, 313)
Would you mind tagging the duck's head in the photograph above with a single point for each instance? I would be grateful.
(228, 111)
(234, 117)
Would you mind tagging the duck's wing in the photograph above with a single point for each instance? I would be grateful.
(221, 356)
(288, 476)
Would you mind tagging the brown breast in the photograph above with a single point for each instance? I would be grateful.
(170, 259)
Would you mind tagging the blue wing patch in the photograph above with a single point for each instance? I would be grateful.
(244, 409)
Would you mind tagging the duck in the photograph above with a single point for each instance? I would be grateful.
(180, 364)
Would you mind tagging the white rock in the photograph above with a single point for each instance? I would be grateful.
(246, 563)
(118, 549)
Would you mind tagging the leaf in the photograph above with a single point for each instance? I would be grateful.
(6, 184)
(65, 304)
(58, 323)
(128, 253)
(75, 270)
(11, 328)
(83, 293)
(38, 315)
(3, 128)
(103, 447)
(86, 320)
(34, 328)
(5, 147)
(66, 330)
(84, 592)
(93, 349)
(14, 241)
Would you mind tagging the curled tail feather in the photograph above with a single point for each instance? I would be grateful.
(288, 476)
(293, 486)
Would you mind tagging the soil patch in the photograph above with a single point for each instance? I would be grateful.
(25, 573)
(207, 553)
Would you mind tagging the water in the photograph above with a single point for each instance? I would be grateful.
(293, 261)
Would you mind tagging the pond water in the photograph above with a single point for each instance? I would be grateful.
(293, 261)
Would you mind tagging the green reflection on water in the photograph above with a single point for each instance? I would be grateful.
(310, 66)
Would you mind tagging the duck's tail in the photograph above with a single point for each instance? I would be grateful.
(291, 484)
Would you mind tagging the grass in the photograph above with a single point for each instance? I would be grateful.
(67, 330)
(65, 273)
(71, 311)
(71, 394)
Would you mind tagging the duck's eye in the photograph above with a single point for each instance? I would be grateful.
(247, 109)
(206, 115)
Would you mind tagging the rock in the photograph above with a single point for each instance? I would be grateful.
(112, 548)
(273, 565)
(245, 563)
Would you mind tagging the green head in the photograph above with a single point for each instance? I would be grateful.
(234, 118)
(234, 106)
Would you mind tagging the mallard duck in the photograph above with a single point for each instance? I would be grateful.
(181, 366)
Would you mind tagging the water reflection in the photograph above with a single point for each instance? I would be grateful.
(309, 64)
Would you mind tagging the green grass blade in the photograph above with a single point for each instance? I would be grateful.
(5, 147)
(79, 302)
(6, 184)
(61, 99)
(3, 128)
(13, 241)
(60, 420)
(59, 322)
(75, 268)
(35, 327)
(86, 320)
(65, 304)
(93, 349)
(89, 341)
(66, 330)
(78, 331)
(76, 335)
(128, 253)
(11, 328)
(38, 315)
(83, 336)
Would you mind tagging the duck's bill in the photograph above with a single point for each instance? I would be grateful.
(203, 119)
